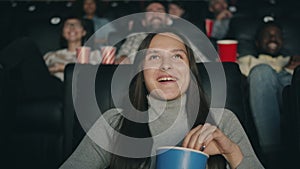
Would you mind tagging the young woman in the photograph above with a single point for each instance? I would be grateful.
(169, 108)
(73, 34)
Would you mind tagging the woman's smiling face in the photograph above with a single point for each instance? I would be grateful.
(73, 30)
(166, 67)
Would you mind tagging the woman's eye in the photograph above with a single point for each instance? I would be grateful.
(152, 57)
(177, 56)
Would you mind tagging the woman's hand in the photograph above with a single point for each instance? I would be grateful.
(57, 67)
(212, 140)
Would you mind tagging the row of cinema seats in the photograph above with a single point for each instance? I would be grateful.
(19, 18)
(41, 21)
(38, 20)
(47, 35)
(43, 133)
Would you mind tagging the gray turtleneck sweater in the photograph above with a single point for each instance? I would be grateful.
(168, 125)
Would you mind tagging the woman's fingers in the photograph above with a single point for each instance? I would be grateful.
(205, 132)
(214, 141)
(187, 138)
(201, 146)
(222, 143)
(196, 137)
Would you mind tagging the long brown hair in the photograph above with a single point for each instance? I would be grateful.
(138, 97)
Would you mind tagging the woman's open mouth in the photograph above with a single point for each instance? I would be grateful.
(166, 79)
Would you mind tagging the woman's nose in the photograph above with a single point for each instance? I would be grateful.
(165, 64)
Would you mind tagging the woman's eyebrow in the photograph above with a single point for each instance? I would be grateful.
(179, 50)
(152, 51)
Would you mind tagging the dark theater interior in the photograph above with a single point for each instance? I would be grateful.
(42, 131)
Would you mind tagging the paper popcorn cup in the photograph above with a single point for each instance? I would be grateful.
(83, 54)
(108, 54)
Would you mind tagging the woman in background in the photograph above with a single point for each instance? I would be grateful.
(73, 33)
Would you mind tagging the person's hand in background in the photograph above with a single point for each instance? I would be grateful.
(57, 67)
(224, 15)
(294, 62)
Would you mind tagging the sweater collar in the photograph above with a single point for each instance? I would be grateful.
(158, 107)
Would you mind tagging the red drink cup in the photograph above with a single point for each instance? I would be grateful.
(83, 54)
(108, 54)
(227, 50)
(209, 27)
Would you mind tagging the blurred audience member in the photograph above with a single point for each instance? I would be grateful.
(90, 12)
(73, 32)
(177, 10)
(268, 73)
(221, 18)
(155, 18)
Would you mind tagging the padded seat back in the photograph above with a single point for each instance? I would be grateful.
(38, 135)
(291, 27)
(290, 119)
(243, 29)
(45, 34)
(33, 131)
